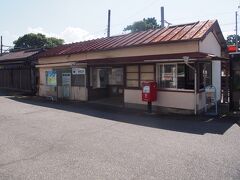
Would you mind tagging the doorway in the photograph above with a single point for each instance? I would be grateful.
(107, 85)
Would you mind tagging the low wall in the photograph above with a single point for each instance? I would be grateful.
(76, 93)
(166, 100)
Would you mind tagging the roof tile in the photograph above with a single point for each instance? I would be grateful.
(19, 55)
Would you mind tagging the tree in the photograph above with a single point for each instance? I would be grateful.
(39, 40)
(145, 24)
(231, 40)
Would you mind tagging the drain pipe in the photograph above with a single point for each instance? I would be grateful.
(186, 60)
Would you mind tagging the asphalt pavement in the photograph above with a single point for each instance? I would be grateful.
(40, 139)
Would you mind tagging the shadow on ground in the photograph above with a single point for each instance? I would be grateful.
(181, 123)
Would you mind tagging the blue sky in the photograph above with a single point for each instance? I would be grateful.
(76, 20)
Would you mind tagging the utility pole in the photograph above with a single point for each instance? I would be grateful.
(1, 46)
(109, 21)
(162, 17)
(236, 31)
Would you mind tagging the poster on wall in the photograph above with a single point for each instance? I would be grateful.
(51, 78)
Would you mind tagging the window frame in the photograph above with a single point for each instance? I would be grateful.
(211, 74)
(158, 75)
(139, 74)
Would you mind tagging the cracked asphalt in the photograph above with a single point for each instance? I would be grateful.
(46, 140)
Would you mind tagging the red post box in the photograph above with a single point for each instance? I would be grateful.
(149, 91)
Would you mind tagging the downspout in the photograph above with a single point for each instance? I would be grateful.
(186, 60)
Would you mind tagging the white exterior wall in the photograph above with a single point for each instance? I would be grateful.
(180, 100)
(211, 45)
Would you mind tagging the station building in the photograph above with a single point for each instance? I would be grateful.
(182, 59)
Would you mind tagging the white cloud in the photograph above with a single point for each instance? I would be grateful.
(69, 34)
(40, 30)
(72, 34)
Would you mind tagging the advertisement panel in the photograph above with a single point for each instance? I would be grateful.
(51, 78)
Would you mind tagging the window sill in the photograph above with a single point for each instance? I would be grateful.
(177, 90)
(133, 88)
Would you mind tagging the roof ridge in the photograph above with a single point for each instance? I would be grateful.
(186, 24)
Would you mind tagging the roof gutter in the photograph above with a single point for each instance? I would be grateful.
(72, 64)
(169, 60)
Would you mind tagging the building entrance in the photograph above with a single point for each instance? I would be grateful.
(106, 85)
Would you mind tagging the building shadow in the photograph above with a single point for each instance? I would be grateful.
(180, 123)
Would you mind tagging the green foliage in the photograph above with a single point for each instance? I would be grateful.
(231, 39)
(145, 24)
(39, 40)
(53, 42)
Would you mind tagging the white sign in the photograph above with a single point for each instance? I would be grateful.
(146, 89)
(76, 71)
(66, 79)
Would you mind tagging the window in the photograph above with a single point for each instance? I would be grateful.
(167, 76)
(181, 76)
(137, 74)
(175, 76)
(116, 76)
(146, 73)
(205, 74)
(132, 76)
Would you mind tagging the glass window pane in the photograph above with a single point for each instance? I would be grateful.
(116, 76)
(181, 70)
(181, 76)
(168, 76)
(189, 78)
(205, 74)
(147, 76)
(132, 83)
(147, 68)
(132, 76)
(132, 69)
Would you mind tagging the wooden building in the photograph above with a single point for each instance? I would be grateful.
(182, 59)
(18, 72)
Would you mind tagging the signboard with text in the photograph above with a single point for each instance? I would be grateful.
(78, 71)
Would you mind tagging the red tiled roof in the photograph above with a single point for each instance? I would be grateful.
(18, 55)
(184, 32)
